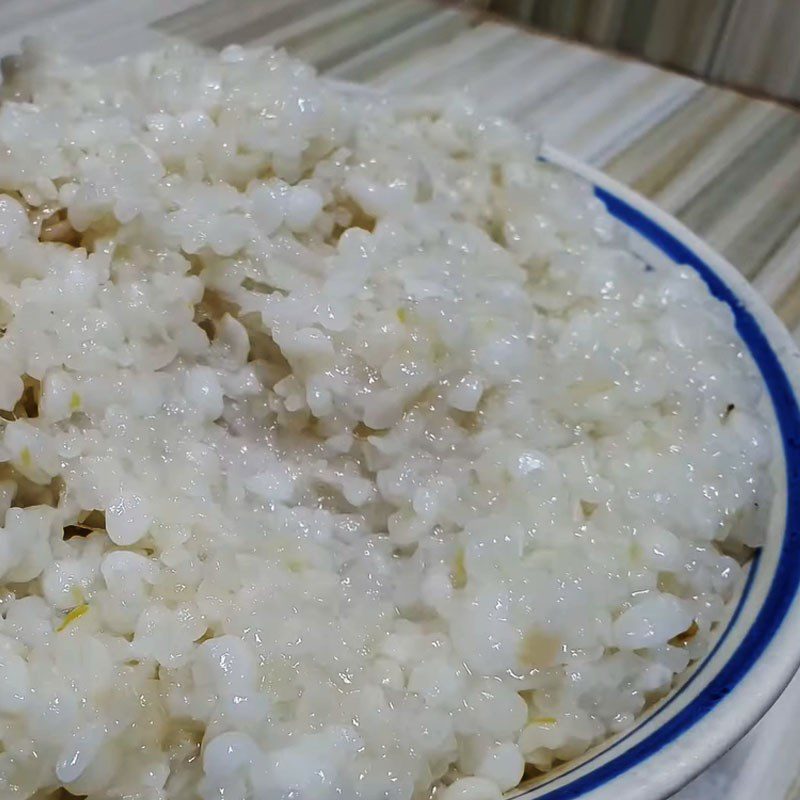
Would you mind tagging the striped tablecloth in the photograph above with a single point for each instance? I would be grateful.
(725, 164)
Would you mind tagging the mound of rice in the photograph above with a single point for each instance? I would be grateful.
(347, 451)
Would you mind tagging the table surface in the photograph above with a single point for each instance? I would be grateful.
(725, 164)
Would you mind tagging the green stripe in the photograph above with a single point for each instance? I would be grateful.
(707, 206)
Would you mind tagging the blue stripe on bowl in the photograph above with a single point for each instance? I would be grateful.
(786, 579)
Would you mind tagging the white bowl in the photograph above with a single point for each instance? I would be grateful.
(757, 651)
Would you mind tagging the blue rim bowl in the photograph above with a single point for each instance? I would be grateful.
(757, 650)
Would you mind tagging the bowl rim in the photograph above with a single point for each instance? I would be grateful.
(710, 726)
(762, 677)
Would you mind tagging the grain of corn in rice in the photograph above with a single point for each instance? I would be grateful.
(345, 451)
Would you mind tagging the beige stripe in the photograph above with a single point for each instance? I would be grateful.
(562, 99)
(475, 45)
(755, 241)
(715, 200)
(625, 83)
(782, 268)
(343, 37)
(649, 163)
(627, 97)
(212, 19)
(549, 71)
(716, 155)
(369, 64)
(776, 181)
(667, 101)
(489, 84)
(788, 306)
(485, 77)
(240, 21)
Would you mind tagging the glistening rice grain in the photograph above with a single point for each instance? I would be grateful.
(347, 451)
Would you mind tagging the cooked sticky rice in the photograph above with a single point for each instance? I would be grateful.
(348, 452)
